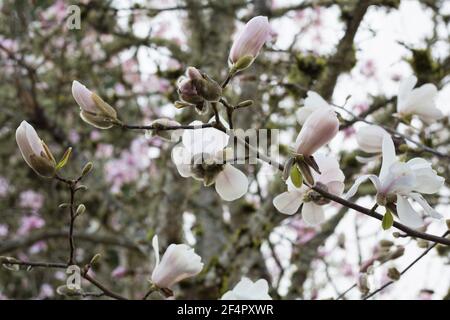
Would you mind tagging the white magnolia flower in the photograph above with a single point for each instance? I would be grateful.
(313, 102)
(246, 289)
(331, 178)
(370, 138)
(178, 262)
(203, 156)
(34, 151)
(401, 182)
(419, 101)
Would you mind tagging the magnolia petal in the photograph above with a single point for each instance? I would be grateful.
(313, 214)
(370, 138)
(407, 214)
(28, 141)
(83, 97)
(354, 188)
(288, 202)
(388, 156)
(424, 204)
(204, 140)
(231, 183)
(248, 290)
(405, 88)
(182, 160)
(155, 244)
(427, 180)
(336, 187)
(312, 102)
(421, 99)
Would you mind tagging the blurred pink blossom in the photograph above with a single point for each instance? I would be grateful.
(3, 230)
(119, 272)
(38, 247)
(304, 232)
(4, 187)
(348, 132)
(368, 69)
(95, 135)
(74, 137)
(104, 150)
(46, 291)
(129, 166)
(32, 200)
(29, 223)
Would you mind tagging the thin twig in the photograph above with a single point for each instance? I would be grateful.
(406, 269)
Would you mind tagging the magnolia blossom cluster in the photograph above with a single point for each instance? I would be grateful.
(204, 154)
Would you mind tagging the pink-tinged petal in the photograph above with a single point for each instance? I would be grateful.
(407, 214)
(251, 39)
(312, 103)
(28, 141)
(319, 129)
(231, 183)
(83, 96)
(288, 202)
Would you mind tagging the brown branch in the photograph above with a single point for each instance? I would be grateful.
(342, 59)
(411, 232)
(24, 242)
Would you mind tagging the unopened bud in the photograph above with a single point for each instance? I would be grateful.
(393, 274)
(81, 209)
(7, 263)
(64, 205)
(422, 243)
(81, 188)
(363, 284)
(181, 104)
(66, 291)
(244, 104)
(397, 253)
(95, 259)
(386, 243)
(87, 168)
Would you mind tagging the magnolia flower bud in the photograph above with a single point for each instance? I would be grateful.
(94, 110)
(170, 135)
(188, 92)
(247, 45)
(318, 130)
(196, 87)
(34, 151)
(370, 138)
(178, 262)
(363, 283)
(193, 73)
